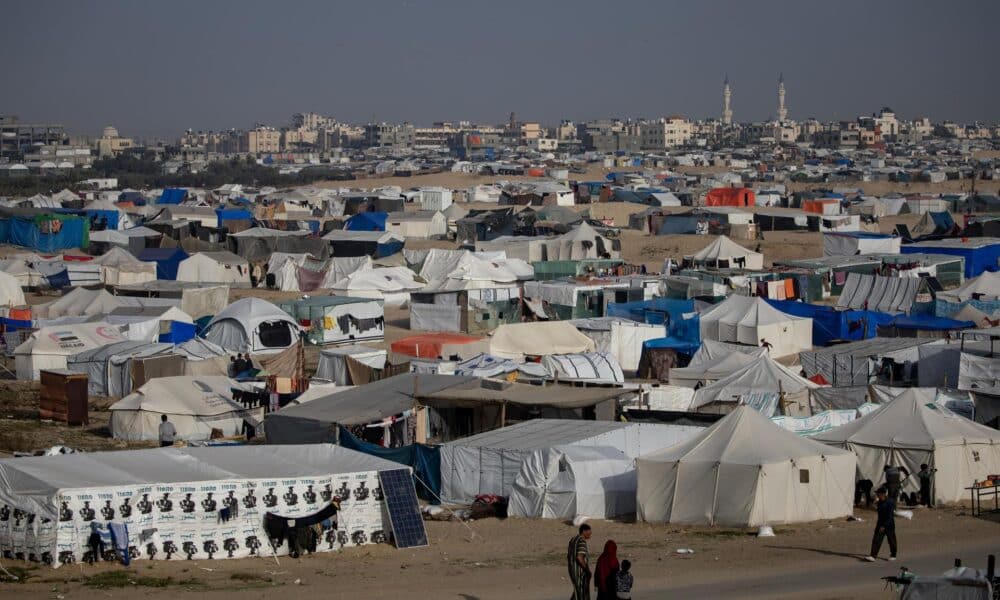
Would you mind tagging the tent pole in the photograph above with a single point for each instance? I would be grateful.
(503, 414)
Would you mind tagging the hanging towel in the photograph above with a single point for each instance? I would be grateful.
(789, 289)
(840, 277)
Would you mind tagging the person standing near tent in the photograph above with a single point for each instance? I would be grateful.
(577, 557)
(606, 572)
(926, 475)
(894, 480)
(167, 432)
(885, 526)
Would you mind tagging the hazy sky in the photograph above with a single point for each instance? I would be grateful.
(157, 68)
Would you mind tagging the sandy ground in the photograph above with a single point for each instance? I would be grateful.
(520, 558)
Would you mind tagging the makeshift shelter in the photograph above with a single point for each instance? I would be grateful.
(582, 242)
(866, 361)
(252, 325)
(108, 368)
(590, 367)
(340, 365)
(10, 291)
(912, 430)
(565, 481)
(723, 253)
(49, 347)
(883, 294)
(764, 384)
(366, 221)
(376, 244)
(986, 287)
(60, 495)
(853, 243)
(619, 337)
(980, 254)
(751, 321)
(744, 471)
(541, 338)
(730, 196)
(440, 345)
(338, 319)
(222, 267)
(167, 260)
(195, 405)
(713, 361)
(42, 230)
(489, 463)
(392, 285)
(119, 267)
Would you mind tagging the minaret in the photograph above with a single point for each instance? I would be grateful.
(727, 111)
(782, 111)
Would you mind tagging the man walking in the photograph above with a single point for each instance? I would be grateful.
(167, 432)
(577, 557)
(885, 526)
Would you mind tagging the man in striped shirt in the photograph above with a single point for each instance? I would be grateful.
(577, 560)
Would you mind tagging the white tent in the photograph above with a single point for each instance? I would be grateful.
(107, 367)
(214, 267)
(984, 287)
(592, 367)
(10, 290)
(725, 253)
(488, 463)
(517, 340)
(118, 267)
(23, 269)
(855, 243)
(760, 384)
(749, 320)
(156, 488)
(252, 325)
(620, 337)
(566, 481)
(195, 405)
(744, 471)
(339, 267)
(582, 242)
(49, 347)
(285, 268)
(391, 284)
(79, 302)
(713, 361)
(913, 429)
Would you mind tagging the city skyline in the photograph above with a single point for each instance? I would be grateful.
(155, 71)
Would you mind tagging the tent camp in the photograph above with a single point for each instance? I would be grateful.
(744, 471)
(252, 325)
(541, 338)
(489, 463)
(49, 347)
(565, 481)
(214, 267)
(750, 320)
(913, 429)
(148, 491)
(195, 405)
(724, 253)
(765, 384)
(338, 319)
(851, 243)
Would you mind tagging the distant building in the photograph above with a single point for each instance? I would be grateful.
(262, 140)
(663, 134)
(111, 144)
(386, 135)
(16, 137)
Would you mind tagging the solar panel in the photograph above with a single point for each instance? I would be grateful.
(404, 513)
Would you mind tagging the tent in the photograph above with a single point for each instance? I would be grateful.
(252, 325)
(980, 254)
(835, 325)
(44, 231)
(214, 267)
(376, 244)
(440, 345)
(565, 481)
(744, 471)
(10, 291)
(119, 267)
(108, 367)
(390, 284)
(195, 405)
(591, 367)
(620, 337)
(882, 294)
(338, 319)
(49, 347)
(852, 243)
(150, 492)
(760, 384)
(713, 361)
(724, 253)
(489, 463)
(986, 287)
(749, 320)
(366, 221)
(582, 242)
(730, 196)
(335, 363)
(913, 429)
(517, 340)
(167, 260)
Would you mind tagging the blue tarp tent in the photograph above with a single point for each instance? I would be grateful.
(367, 221)
(179, 332)
(166, 260)
(929, 323)
(830, 324)
(425, 461)
(681, 346)
(172, 196)
(46, 232)
(232, 214)
(656, 311)
(980, 254)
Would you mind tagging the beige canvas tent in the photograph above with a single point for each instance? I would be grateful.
(745, 471)
(724, 253)
(912, 429)
(517, 340)
(49, 347)
(746, 320)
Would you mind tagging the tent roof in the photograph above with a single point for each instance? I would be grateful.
(202, 396)
(539, 338)
(723, 248)
(539, 433)
(911, 420)
(764, 374)
(743, 437)
(257, 309)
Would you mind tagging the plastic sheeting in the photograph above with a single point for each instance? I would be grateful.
(424, 460)
(877, 293)
(821, 421)
(593, 367)
(538, 339)
(859, 243)
(831, 325)
(763, 376)
(47, 232)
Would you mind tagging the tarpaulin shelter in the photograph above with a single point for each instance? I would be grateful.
(912, 430)
(392, 285)
(440, 345)
(591, 367)
(172, 196)
(517, 340)
(713, 361)
(853, 243)
(489, 463)
(730, 196)
(376, 244)
(830, 324)
(252, 325)
(234, 217)
(883, 294)
(921, 325)
(863, 362)
(113, 216)
(751, 320)
(195, 405)
(338, 319)
(334, 364)
(108, 367)
(366, 221)
(724, 253)
(934, 223)
(10, 291)
(167, 260)
(424, 460)
(745, 471)
(986, 287)
(768, 386)
(61, 495)
(43, 231)
(980, 254)
(119, 267)
(49, 347)
(620, 337)
(214, 267)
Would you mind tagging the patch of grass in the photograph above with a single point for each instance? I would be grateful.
(16, 574)
(121, 579)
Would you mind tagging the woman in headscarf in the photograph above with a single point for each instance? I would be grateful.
(605, 571)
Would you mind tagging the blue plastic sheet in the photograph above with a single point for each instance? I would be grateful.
(166, 259)
(172, 196)
(179, 332)
(830, 324)
(930, 323)
(47, 236)
(425, 461)
(367, 221)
